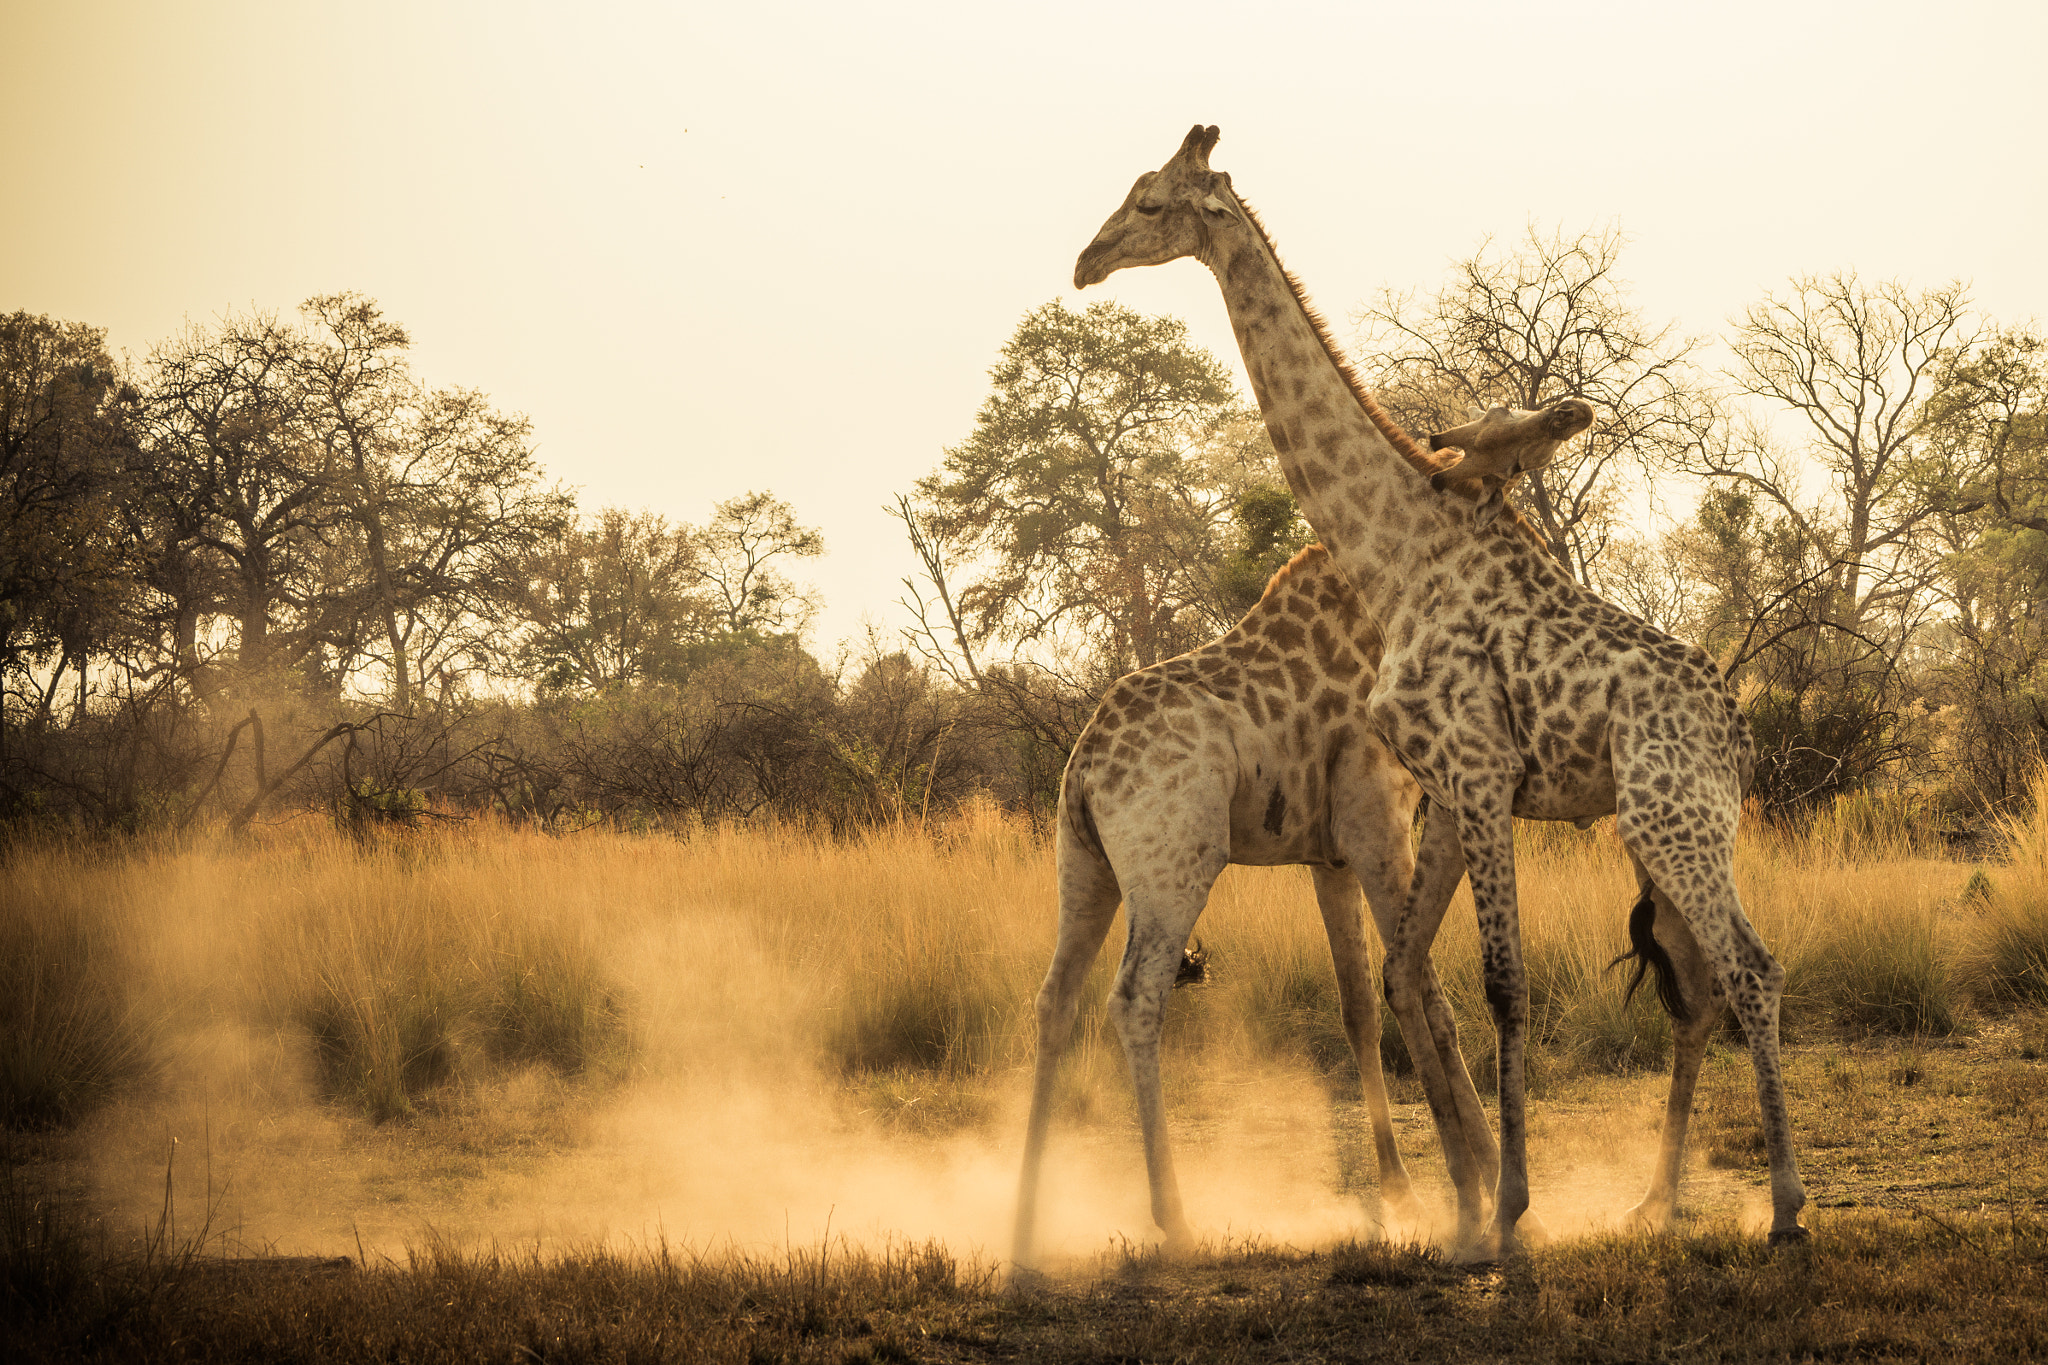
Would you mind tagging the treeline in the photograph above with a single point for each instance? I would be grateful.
(268, 567)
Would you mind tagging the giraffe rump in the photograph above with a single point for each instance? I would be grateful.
(1649, 955)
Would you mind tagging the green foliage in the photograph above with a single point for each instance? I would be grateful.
(366, 805)
(1096, 482)
(1270, 532)
(1815, 745)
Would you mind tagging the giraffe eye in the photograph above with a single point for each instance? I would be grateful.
(1150, 210)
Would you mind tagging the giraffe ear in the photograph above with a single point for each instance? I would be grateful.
(1215, 205)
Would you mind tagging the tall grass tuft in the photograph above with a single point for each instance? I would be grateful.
(1871, 947)
(71, 1030)
(1875, 827)
(2009, 961)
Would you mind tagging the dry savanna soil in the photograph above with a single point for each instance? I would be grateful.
(1924, 1163)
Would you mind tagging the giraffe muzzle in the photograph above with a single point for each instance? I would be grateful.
(1089, 268)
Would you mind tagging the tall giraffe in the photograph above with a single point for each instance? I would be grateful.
(1507, 690)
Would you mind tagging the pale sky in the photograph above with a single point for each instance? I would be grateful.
(714, 248)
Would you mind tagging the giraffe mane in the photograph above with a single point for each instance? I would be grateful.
(1288, 570)
(1420, 460)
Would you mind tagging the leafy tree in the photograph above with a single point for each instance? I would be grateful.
(1096, 484)
(64, 438)
(1270, 532)
(1822, 700)
(611, 601)
(243, 479)
(1982, 471)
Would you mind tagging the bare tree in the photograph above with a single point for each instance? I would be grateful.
(1545, 320)
(1857, 366)
(735, 564)
(441, 488)
(929, 543)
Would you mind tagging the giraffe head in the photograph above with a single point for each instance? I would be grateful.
(1503, 443)
(1166, 215)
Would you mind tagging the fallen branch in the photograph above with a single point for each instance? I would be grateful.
(248, 812)
(234, 736)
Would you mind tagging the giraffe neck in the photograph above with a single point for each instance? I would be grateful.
(1367, 500)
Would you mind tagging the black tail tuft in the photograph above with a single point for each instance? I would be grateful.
(1194, 966)
(1649, 956)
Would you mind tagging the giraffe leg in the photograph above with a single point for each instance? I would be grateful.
(1487, 833)
(1088, 900)
(1378, 851)
(1337, 897)
(1701, 995)
(1425, 1018)
(1160, 922)
(1699, 877)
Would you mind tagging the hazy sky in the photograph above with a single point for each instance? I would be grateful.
(709, 248)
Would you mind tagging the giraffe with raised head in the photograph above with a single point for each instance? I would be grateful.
(1506, 689)
(1499, 445)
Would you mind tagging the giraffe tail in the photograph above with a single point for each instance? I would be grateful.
(1649, 956)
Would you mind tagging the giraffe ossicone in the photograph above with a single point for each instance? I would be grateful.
(1507, 690)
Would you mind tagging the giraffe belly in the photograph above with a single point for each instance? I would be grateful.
(1279, 816)
(1546, 796)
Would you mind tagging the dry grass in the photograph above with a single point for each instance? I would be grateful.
(451, 954)
(459, 1001)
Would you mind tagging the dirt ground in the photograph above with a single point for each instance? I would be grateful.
(1924, 1162)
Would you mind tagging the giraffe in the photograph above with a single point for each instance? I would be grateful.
(1501, 444)
(1252, 749)
(1506, 689)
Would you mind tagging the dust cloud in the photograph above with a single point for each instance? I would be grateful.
(732, 1126)
(792, 1157)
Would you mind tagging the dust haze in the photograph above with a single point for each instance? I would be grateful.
(744, 971)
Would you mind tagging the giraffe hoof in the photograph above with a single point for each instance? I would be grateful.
(1647, 1218)
(1485, 1249)
(1028, 1277)
(1530, 1232)
(1399, 1210)
(1794, 1236)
